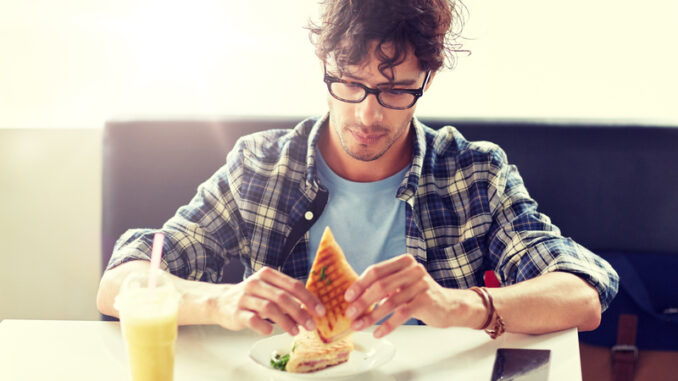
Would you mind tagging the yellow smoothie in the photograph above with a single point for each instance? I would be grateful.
(148, 318)
(150, 346)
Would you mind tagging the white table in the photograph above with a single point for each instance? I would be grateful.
(93, 350)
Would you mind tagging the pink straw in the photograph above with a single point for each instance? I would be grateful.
(156, 254)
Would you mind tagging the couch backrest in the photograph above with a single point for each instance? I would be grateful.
(610, 186)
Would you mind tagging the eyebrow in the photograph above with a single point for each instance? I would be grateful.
(404, 82)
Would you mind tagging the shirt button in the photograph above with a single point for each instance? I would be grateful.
(308, 215)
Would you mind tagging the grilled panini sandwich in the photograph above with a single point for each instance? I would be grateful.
(330, 277)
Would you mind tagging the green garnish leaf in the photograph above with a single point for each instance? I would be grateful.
(280, 362)
(322, 273)
(329, 281)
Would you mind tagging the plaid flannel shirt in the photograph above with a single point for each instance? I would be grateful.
(467, 211)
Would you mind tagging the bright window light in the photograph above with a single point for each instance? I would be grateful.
(78, 63)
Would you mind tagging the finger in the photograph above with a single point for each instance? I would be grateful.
(266, 309)
(293, 287)
(383, 288)
(251, 320)
(286, 303)
(375, 272)
(390, 304)
(399, 317)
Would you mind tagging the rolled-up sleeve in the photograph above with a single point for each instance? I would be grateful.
(201, 237)
(523, 243)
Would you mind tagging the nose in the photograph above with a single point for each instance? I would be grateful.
(369, 111)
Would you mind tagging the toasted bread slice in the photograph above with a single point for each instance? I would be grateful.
(330, 277)
(309, 354)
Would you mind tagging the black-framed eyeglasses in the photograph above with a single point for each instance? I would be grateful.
(356, 92)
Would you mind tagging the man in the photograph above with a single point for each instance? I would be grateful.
(386, 185)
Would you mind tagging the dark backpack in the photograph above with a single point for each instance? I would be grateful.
(649, 290)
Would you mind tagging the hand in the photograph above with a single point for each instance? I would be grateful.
(268, 297)
(402, 286)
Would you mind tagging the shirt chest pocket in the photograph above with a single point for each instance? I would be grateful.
(457, 266)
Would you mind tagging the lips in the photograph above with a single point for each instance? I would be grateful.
(362, 138)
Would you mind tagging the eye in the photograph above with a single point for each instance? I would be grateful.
(352, 85)
(395, 92)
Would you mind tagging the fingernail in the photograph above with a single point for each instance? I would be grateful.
(350, 312)
(295, 331)
(379, 333)
(320, 309)
(357, 325)
(349, 295)
(310, 324)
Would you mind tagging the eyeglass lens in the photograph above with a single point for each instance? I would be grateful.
(355, 93)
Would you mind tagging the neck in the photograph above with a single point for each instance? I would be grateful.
(349, 168)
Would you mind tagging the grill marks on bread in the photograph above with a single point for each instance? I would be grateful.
(330, 277)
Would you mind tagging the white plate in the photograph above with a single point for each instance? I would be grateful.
(369, 353)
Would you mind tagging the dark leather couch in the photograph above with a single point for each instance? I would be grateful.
(610, 186)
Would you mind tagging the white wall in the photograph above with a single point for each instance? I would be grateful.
(566, 59)
(76, 63)
(50, 198)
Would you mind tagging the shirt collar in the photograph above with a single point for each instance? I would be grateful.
(313, 138)
(410, 182)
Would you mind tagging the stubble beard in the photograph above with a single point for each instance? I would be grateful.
(361, 151)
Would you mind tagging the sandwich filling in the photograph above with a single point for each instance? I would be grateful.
(310, 354)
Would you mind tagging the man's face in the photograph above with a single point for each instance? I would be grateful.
(367, 130)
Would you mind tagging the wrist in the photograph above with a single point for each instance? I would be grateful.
(493, 324)
(479, 310)
(212, 302)
(200, 302)
(464, 309)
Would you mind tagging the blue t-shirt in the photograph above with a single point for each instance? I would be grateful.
(367, 220)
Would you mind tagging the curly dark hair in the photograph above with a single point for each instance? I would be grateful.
(430, 27)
